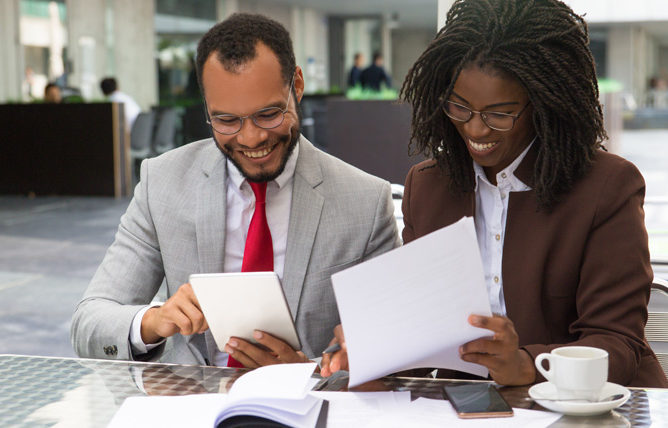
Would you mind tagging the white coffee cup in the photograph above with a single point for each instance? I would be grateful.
(578, 372)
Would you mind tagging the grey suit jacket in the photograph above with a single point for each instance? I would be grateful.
(175, 226)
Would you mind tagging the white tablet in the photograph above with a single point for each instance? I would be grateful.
(237, 304)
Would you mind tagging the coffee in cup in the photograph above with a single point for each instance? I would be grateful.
(577, 372)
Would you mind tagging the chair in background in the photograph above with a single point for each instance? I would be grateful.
(165, 131)
(141, 138)
(656, 330)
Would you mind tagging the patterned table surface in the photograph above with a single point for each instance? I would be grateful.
(65, 392)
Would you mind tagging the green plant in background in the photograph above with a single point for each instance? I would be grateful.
(357, 93)
(335, 90)
(606, 86)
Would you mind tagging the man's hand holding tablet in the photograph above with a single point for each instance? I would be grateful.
(275, 351)
(249, 317)
(179, 314)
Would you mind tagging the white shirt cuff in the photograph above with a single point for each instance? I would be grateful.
(138, 345)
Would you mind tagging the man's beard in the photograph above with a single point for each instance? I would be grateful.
(294, 134)
(266, 176)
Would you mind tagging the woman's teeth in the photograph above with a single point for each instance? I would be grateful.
(258, 153)
(481, 147)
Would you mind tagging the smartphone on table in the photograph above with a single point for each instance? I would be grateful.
(477, 400)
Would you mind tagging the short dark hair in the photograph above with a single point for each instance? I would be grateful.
(50, 85)
(108, 85)
(545, 46)
(234, 41)
(376, 56)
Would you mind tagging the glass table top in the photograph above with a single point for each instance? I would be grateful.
(64, 392)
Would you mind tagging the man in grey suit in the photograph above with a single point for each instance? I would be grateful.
(192, 208)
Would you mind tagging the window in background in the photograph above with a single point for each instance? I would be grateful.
(43, 36)
(179, 26)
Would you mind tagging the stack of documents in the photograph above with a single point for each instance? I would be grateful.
(409, 307)
(278, 392)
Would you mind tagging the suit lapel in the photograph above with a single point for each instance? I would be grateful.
(305, 212)
(210, 216)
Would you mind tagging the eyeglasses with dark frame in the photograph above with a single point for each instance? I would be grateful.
(494, 120)
(266, 118)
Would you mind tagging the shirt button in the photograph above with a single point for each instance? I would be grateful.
(497, 237)
(503, 195)
(496, 279)
(503, 175)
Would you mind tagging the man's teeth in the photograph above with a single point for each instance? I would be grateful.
(480, 147)
(258, 153)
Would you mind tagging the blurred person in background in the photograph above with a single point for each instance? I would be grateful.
(109, 88)
(356, 70)
(52, 93)
(375, 75)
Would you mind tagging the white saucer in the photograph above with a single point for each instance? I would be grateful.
(578, 408)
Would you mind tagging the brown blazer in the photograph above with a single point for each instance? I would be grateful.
(578, 275)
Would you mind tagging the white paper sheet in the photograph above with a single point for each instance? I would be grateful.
(358, 409)
(408, 308)
(284, 381)
(198, 410)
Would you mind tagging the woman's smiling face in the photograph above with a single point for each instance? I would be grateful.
(486, 90)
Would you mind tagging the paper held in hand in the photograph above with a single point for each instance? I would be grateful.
(279, 392)
(408, 308)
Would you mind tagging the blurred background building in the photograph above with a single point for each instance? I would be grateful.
(148, 45)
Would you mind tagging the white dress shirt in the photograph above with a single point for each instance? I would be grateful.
(240, 205)
(490, 224)
(130, 107)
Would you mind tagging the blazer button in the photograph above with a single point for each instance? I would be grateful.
(110, 350)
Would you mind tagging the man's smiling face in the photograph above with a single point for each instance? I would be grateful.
(259, 154)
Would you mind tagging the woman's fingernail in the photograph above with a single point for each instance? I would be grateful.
(233, 343)
(257, 334)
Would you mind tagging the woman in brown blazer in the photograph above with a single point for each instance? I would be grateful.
(505, 103)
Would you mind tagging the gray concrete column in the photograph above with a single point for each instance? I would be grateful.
(113, 38)
(225, 8)
(386, 43)
(309, 39)
(86, 45)
(11, 65)
(134, 50)
(629, 49)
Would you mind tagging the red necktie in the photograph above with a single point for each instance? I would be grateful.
(259, 250)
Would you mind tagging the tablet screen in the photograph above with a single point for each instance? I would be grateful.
(237, 304)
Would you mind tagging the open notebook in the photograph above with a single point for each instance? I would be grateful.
(279, 393)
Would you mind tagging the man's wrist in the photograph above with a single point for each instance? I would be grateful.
(148, 334)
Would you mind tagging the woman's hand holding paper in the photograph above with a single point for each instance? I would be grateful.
(507, 363)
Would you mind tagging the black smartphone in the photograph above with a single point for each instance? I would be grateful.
(477, 400)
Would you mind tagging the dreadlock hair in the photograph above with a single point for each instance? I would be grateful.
(234, 41)
(545, 46)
